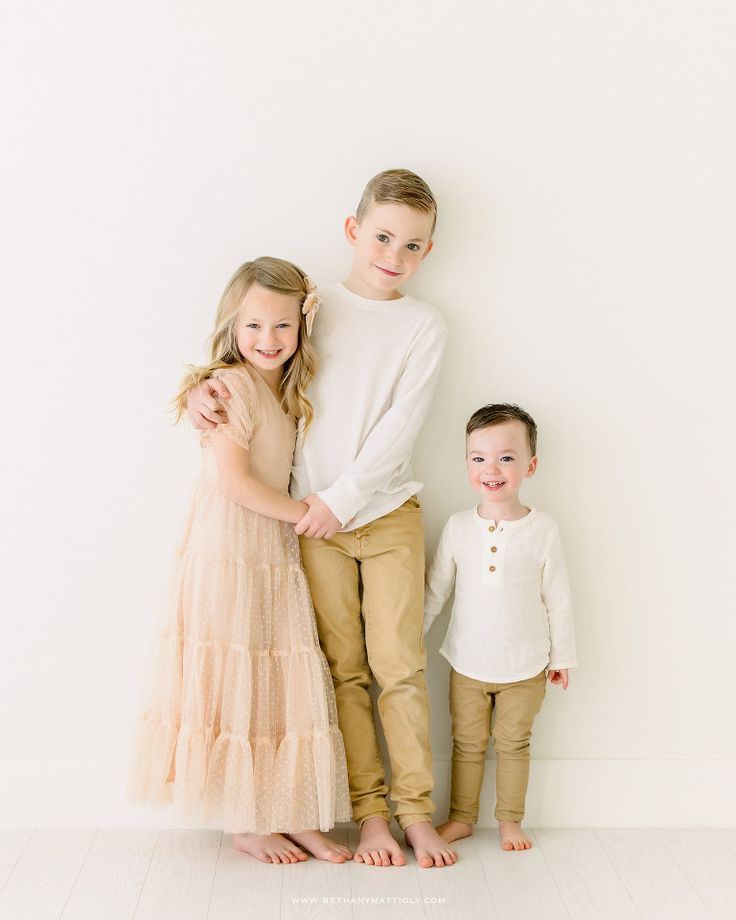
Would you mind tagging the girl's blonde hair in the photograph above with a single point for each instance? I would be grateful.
(279, 276)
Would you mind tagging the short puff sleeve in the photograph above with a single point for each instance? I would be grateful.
(241, 407)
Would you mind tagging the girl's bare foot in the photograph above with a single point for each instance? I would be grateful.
(269, 848)
(377, 846)
(320, 845)
(454, 830)
(512, 836)
(429, 848)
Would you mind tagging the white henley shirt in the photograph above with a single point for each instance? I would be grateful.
(512, 614)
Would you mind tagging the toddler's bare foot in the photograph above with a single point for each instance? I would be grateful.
(320, 845)
(512, 836)
(377, 846)
(454, 830)
(269, 848)
(429, 848)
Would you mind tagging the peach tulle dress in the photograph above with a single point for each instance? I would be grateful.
(240, 728)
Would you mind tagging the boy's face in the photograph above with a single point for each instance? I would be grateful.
(390, 242)
(499, 460)
(267, 330)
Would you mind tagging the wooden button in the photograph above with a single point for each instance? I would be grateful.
(491, 568)
(491, 528)
(493, 549)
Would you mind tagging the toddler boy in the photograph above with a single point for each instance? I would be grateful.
(511, 620)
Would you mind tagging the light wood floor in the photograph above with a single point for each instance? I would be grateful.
(196, 875)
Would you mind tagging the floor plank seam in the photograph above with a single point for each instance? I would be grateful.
(551, 873)
(214, 876)
(677, 866)
(145, 877)
(15, 864)
(485, 877)
(489, 887)
(621, 878)
(76, 878)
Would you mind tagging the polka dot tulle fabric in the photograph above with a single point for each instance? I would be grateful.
(240, 729)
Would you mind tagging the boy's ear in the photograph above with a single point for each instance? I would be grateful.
(351, 229)
(427, 251)
(532, 467)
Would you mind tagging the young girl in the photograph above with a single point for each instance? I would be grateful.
(240, 730)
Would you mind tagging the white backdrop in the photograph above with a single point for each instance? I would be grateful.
(583, 158)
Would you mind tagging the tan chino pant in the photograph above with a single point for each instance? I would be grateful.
(368, 592)
(510, 709)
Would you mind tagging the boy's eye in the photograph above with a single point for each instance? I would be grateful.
(382, 238)
(478, 459)
(415, 247)
(251, 326)
(506, 459)
(283, 325)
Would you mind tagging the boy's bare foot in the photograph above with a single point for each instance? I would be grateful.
(377, 846)
(429, 848)
(269, 848)
(320, 845)
(512, 836)
(454, 830)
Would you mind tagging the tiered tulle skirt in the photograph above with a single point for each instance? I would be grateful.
(240, 727)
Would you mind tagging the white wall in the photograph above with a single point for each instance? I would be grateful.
(582, 155)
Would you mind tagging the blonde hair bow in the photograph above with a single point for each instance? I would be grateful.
(311, 304)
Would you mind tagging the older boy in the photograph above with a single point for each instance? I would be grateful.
(362, 538)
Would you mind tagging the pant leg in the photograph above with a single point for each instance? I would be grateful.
(391, 553)
(332, 572)
(516, 705)
(471, 706)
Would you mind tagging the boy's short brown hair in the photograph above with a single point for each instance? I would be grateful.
(497, 414)
(402, 187)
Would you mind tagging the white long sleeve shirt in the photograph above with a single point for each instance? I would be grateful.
(378, 366)
(512, 614)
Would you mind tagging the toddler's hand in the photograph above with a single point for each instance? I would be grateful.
(319, 522)
(203, 407)
(558, 677)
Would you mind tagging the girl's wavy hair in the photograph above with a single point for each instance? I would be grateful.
(275, 275)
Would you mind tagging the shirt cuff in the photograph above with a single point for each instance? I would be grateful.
(341, 502)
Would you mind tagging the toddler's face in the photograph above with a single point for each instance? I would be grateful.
(499, 460)
(268, 327)
(390, 242)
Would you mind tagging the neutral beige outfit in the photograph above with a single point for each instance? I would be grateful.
(511, 620)
(240, 730)
(505, 711)
(367, 588)
(379, 363)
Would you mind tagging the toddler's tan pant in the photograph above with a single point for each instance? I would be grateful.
(510, 708)
(368, 592)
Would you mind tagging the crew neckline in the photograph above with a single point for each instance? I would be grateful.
(367, 303)
(503, 522)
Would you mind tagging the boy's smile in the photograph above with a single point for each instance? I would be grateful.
(389, 244)
(499, 459)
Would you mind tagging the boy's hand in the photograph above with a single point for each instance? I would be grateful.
(559, 677)
(319, 522)
(203, 408)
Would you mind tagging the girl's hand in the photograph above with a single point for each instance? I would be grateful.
(203, 407)
(558, 677)
(319, 522)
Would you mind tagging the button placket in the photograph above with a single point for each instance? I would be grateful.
(493, 554)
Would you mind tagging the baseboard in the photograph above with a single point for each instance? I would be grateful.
(562, 793)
